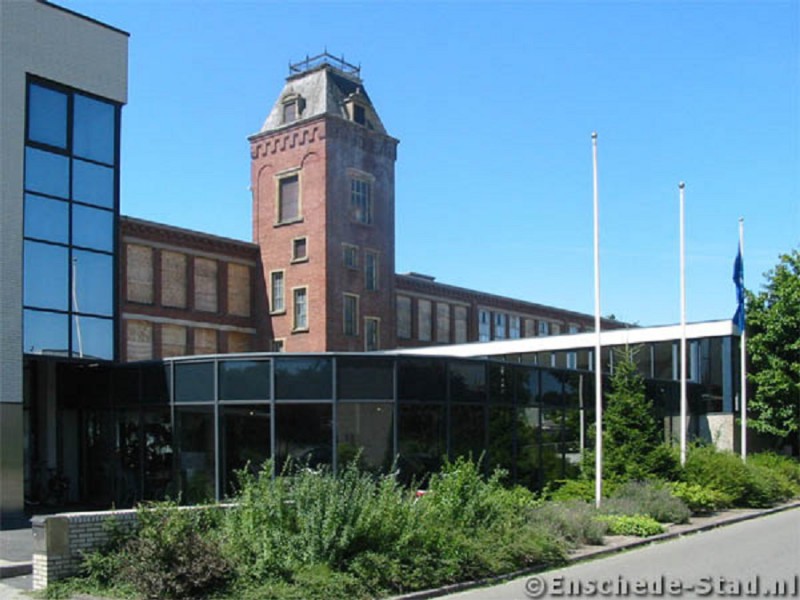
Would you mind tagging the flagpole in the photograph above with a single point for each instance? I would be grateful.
(743, 344)
(681, 187)
(598, 386)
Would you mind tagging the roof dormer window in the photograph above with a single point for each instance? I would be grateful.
(292, 106)
(359, 114)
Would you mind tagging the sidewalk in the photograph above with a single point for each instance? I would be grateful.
(16, 556)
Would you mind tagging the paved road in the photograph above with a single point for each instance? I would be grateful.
(741, 560)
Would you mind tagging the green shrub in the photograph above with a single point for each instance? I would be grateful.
(750, 484)
(784, 466)
(575, 489)
(572, 522)
(174, 553)
(653, 499)
(638, 525)
(698, 498)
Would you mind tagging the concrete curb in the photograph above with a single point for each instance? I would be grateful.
(602, 551)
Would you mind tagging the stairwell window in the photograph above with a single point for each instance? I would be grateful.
(288, 199)
(361, 201)
(371, 260)
(300, 320)
(277, 304)
(350, 314)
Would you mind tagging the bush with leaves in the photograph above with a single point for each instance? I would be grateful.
(572, 522)
(698, 498)
(653, 499)
(638, 525)
(747, 484)
(174, 553)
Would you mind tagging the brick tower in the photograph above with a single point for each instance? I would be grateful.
(322, 175)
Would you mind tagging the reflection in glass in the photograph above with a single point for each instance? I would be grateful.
(365, 378)
(421, 379)
(92, 228)
(92, 337)
(244, 436)
(500, 450)
(244, 380)
(94, 281)
(501, 384)
(467, 382)
(194, 445)
(157, 436)
(364, 430)
(304, 433)
(46, 173)
(97, 441)
(46, 219)
(303, 379)
(156, 383)
(527, 385)
(467, 430)
(94, 129)
(194, 382)
(528, 438)
(45, 333)
(93, 184)
(46, 276)
(420, 440)
(47, 116)
(551, 388)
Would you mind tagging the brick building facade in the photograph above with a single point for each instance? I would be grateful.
(320, 274)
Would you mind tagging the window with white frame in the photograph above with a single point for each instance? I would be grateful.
(300, 320)
(277, 292)
(361, 200)
(424, 320)
(499, 326)
(544, 328)
(460, 324)
(288, 199)
(484, 326)
(514, 327)
(350, 316)
(350, 256)
(403, 317)
(299, 249)
(442, 323)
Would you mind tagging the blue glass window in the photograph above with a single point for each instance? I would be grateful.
(47, 116)
(46, 173)
(94, 129)
(92, 337)
(93, 184)
(194, 382)
(46, 219)
(94, 283)
(92, 228)
(45, 332)
(46, 276)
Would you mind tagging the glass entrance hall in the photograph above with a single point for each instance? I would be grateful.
(182, 427)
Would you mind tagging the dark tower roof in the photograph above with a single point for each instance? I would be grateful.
(323, 85)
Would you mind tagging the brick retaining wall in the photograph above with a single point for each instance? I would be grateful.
(60, 541)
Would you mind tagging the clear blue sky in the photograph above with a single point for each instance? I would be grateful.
(494, 105)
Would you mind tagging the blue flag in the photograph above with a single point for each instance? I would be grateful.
(738, 280)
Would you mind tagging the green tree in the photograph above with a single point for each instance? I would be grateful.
(633, 442)
(773, 347)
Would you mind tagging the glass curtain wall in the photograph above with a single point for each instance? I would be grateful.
(71, 210)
